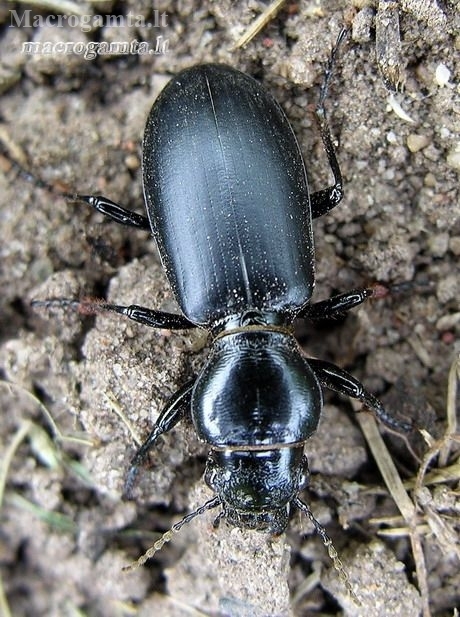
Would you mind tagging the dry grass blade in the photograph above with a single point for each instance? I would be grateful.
(421, 516)
(399, 494)
(443, 530)
(55, 520)
(49, 453)
(452, 424)
(386, 466)
(18, 438)
(259, 23)
(56, 432)
(121, 414)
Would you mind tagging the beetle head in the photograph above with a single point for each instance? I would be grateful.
(256, 487)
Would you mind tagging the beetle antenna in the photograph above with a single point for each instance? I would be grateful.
(338, 565)
(167, 536)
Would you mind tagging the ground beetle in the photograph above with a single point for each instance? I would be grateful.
(229, 207)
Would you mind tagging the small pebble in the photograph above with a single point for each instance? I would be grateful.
(442, 75)
(417, 142)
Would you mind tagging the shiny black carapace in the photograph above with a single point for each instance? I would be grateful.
(229, 206)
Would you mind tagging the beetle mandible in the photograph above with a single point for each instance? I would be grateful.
(229, 206)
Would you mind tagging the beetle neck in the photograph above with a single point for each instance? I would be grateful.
(252, 321)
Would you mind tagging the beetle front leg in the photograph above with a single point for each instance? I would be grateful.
(173, 412)
(332, 377)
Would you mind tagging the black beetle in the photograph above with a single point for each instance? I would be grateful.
(229, 206)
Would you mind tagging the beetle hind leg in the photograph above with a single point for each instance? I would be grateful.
(325, 200)
(106, 206)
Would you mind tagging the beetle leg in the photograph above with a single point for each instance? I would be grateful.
(106, 206)
(332, 377)
(139, 314)
(338, 305)
(172, 413)
(113, 211)
(98, 202)
(325, 200)
(150, 317)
